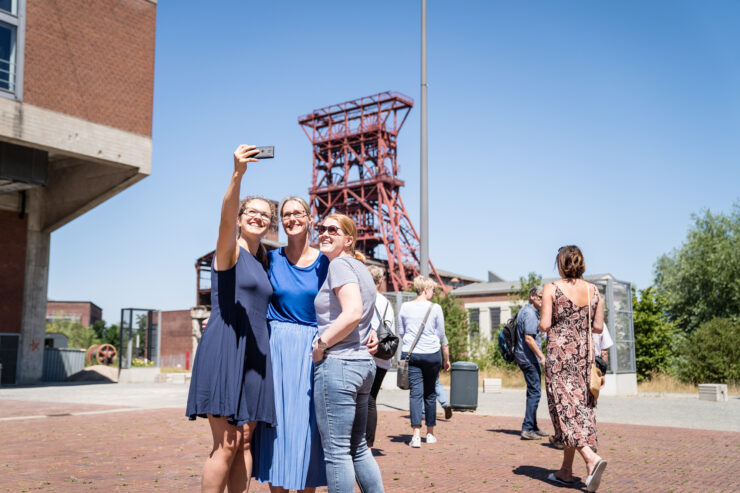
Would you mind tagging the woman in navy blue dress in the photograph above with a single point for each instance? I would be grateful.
(289, 455)
(232, 381)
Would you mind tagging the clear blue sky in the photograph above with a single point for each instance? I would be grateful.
(604, 124)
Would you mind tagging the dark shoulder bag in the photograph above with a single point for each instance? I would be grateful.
(402, 372)
(387, 340)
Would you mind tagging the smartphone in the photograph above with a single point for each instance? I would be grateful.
(265, 152)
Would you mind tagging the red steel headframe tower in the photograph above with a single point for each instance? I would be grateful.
(355, 172)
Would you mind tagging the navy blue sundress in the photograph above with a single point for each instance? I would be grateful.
(232, 370)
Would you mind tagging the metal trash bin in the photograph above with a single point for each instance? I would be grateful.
(464, 385)
(61, 363)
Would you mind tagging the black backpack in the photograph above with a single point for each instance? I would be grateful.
(507, 340)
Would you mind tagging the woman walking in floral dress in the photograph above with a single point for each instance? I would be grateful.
(568, 306)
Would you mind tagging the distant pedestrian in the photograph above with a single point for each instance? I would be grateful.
(568, 305)
(344, 367)
(420, 317)
(438, 389)
(529, 357)
(231, 383)
(384, 314)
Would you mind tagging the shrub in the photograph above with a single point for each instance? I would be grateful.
(456, 326)
(653, 334)
(78, 336)
(712, 353)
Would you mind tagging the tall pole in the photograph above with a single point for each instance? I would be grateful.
(423, 178)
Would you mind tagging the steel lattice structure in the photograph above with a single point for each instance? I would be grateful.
(355, 172)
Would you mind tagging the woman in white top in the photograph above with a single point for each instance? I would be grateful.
(384, 314)
(426, 357)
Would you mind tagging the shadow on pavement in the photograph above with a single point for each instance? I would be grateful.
(507, 432)
(405, 438)
(541, 473)
(57, 384)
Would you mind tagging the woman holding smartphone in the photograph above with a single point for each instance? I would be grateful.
(231, 383)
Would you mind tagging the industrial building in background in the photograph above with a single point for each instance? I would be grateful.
(356, 172)
(76, 89)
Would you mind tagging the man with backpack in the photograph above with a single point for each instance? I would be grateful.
(529, 357)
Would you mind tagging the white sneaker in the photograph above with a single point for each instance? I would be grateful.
(415, 442)
(430, 438)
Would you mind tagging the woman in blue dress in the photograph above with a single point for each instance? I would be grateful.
(232, 383)
(289, 456)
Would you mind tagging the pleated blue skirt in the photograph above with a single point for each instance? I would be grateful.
(290, 454)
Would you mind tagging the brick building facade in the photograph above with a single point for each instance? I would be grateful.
(84, 312)
(76, 90)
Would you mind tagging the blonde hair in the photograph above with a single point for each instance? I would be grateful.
(347, 225)
(303, 203)
(421, 283)
(261, 250)
(377, 272)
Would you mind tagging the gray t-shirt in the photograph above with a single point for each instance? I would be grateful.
(346, 270)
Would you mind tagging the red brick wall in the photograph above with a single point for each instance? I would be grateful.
(84, 311)
(92, 60)
(176, 338)
(12, 269)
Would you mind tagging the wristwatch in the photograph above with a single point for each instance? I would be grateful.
(321, 345)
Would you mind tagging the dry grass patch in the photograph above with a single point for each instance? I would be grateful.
(510, 378)
(668, 384)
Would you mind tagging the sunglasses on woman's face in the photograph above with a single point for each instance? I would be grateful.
(332, 230)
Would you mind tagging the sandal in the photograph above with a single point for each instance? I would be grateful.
(594, 479)
(557, 480)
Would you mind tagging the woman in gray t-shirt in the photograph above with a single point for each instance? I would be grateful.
(344, 368)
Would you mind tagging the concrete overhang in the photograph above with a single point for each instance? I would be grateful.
(87, 162)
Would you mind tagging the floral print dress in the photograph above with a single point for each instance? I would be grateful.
(571, 405)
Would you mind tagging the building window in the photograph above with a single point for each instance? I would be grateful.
(11, 47)
(495, 318)
(474, 321)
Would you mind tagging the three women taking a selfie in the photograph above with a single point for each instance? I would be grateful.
(285, 367)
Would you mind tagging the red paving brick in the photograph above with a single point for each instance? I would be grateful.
(160, 450)
(14, 409)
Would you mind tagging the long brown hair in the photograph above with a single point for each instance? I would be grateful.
(348, 227)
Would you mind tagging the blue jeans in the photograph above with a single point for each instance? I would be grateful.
(423, 375)
(441, 394)
(341, 391)
(532, 374)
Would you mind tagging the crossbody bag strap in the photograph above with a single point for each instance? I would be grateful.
(382, 317)
(590, 339)
(418, 334)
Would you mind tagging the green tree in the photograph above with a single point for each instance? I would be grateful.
(520, 297)
(653, 334)
(456, 325)
(78, 336)
(701, 279)
(711, 354)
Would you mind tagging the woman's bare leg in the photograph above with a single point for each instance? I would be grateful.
(589, 457)
(226, 439)
(566, 469)
(241, 470)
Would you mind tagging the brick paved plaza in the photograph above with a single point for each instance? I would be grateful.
(159, 449)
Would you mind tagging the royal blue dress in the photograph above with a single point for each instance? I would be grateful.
(232, 370)
(290, 454)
